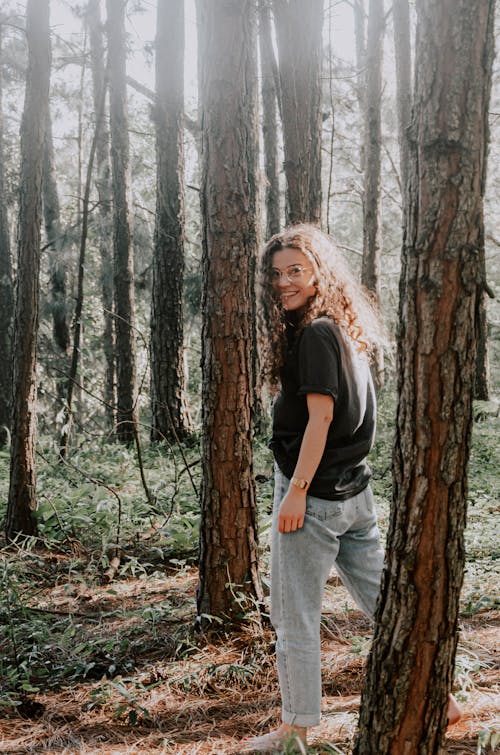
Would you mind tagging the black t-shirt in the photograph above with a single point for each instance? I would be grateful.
(322, 360)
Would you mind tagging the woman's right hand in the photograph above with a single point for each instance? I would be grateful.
(292, 510)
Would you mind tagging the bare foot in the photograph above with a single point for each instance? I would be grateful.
(454, 711)
(272, 740)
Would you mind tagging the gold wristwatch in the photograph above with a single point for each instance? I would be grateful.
(301, 484)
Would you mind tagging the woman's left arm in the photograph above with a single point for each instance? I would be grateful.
(293, 505)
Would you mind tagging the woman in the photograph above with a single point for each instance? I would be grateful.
(319, 330)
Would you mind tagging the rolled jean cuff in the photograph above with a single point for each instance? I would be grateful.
(300, 719)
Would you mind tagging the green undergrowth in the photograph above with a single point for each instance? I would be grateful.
(94, 509)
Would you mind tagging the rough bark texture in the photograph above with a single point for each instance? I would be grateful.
(170, 416)
(52, 215)
(6, 292)
(269, 119)
(299, 34)
(103, 184)
(22, 499)
(410, 669)
(228, 533)
(402, 49)
(123, 263)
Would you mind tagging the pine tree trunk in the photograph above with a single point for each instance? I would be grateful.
(228, 532)
(360, 43)
(410, 669)
(6, 291)
(331, 105)
(482, 376)
(372, 231)
(55, 245)
(269, 119)
(299, 35)
(270, 105)
(402, 49)
(22, 498)
(170, 416)
(123, 275)
(77, 319)
(105, 224)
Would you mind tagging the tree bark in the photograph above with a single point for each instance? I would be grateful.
(482, 377)
(105, 224)
(410, 669)
(123, 263)
(6, 290)
(22, 497)
(170, 416)
(372, 231)
(299, 36)
(269, 119)
(482, 374)
(228, 533)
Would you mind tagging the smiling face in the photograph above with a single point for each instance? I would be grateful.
(295, 293)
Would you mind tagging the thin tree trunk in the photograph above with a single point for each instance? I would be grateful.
(360, 41)
(331, 102)
(299, 36)
(228, 531)
(105, 225)
(55, 245)
(77, 320)
(482, 374)
(170, 415)
(410, 669)
(123, 277)
(402, 49)
(269, 119)
(482, 377)
(6, 290)
(370, 269)
(57, 266)
(22, 488)
(270, 107)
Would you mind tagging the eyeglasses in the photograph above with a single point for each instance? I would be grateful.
(293, 273)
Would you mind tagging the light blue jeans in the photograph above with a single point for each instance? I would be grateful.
(340, 533)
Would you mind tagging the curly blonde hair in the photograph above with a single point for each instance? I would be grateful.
(338, 296)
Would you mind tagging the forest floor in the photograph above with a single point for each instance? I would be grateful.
(185, 693)
(99, 661)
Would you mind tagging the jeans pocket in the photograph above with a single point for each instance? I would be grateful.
(322, 510)
(365, 508)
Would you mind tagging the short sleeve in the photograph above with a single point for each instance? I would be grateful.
(319, 359)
